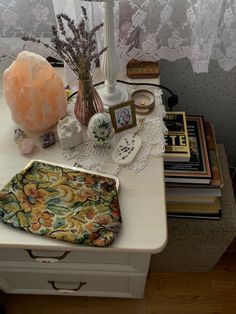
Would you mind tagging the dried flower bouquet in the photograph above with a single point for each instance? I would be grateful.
(78, 48)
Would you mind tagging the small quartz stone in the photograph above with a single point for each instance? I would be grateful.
(47, 139)
(26, 146)
(19, 135)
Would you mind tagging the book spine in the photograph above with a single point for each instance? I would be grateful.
(216, 179)
(216, 216)
(177, 143)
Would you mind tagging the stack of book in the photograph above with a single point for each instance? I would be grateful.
(193, 187)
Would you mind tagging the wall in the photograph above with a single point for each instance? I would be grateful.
(211, 94)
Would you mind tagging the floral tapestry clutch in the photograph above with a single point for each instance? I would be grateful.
(67, 204)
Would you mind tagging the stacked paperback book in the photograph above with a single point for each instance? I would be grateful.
(193, 177)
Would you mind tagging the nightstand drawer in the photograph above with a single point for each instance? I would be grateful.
(79, 260)
(68, 283)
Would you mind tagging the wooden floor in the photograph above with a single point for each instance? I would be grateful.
(166, 293)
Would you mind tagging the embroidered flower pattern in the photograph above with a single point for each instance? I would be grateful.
(61, 203)
(42, 219)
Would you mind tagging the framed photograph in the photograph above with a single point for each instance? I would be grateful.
(123, 116)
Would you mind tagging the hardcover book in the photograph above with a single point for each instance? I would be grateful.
(190, 199)
(212, 208)
(197, 170)
(199, 211)
(216, 183)
(214, 216)
(177, 144)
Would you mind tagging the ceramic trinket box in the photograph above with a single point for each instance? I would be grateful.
(69, 132)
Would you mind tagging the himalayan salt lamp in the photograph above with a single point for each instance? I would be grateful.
(34, 92)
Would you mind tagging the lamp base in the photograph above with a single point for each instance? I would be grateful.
(112, 97)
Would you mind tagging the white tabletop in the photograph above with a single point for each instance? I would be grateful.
(141, 197)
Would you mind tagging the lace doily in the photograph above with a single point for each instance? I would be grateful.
(97, 157)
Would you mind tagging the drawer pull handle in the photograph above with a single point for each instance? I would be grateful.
(67, 291)
(47, 259)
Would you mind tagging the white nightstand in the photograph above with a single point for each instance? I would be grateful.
(116, 271)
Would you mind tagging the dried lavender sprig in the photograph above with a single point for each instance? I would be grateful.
(81, 27)
(98, 54)
(38, 41)
(60, 51)
(84, 13)
(78, 51)
(57, 49)
(71, 26)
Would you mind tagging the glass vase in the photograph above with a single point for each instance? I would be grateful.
(88, 102)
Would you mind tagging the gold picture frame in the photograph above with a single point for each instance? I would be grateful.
(123, 116)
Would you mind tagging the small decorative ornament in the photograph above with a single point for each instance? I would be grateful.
(126, 149)
(47, 139)
(100, 128)
(142, 69)
(19, 135)
(144, 101)
(26, 145)
(69, 133)
(123, 116)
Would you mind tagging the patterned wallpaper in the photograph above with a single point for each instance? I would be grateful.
(211, 94)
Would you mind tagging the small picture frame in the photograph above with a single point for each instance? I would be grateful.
(123, 116)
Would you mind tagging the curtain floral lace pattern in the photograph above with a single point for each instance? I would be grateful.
(145, 29)
(170, 29)
(20, 17)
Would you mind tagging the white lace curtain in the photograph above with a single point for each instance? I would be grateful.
(145, 29)
(18, 17)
